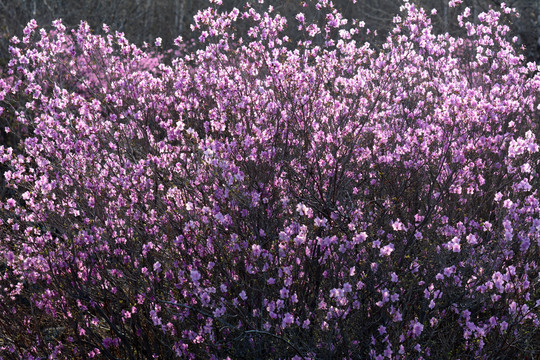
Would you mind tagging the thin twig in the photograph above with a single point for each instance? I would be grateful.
(229, 325)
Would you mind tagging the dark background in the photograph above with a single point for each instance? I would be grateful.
(144, 20)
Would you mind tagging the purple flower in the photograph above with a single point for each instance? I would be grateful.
(416, 328)
(288, 319)
(387, 250)
(195, 276)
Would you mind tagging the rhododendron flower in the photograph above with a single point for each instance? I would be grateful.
(416, 328)
(387, 250)
(195, 275)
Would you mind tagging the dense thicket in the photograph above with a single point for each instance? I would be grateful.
(264, 197)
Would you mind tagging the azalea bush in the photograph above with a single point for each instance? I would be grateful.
(259, 198)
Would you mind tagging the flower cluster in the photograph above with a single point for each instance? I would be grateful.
(257, 198)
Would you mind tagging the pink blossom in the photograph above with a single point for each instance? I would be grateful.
(387, 250)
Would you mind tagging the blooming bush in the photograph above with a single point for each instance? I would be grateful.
(262, 199)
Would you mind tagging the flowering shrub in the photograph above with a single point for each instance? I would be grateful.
(262, 199)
